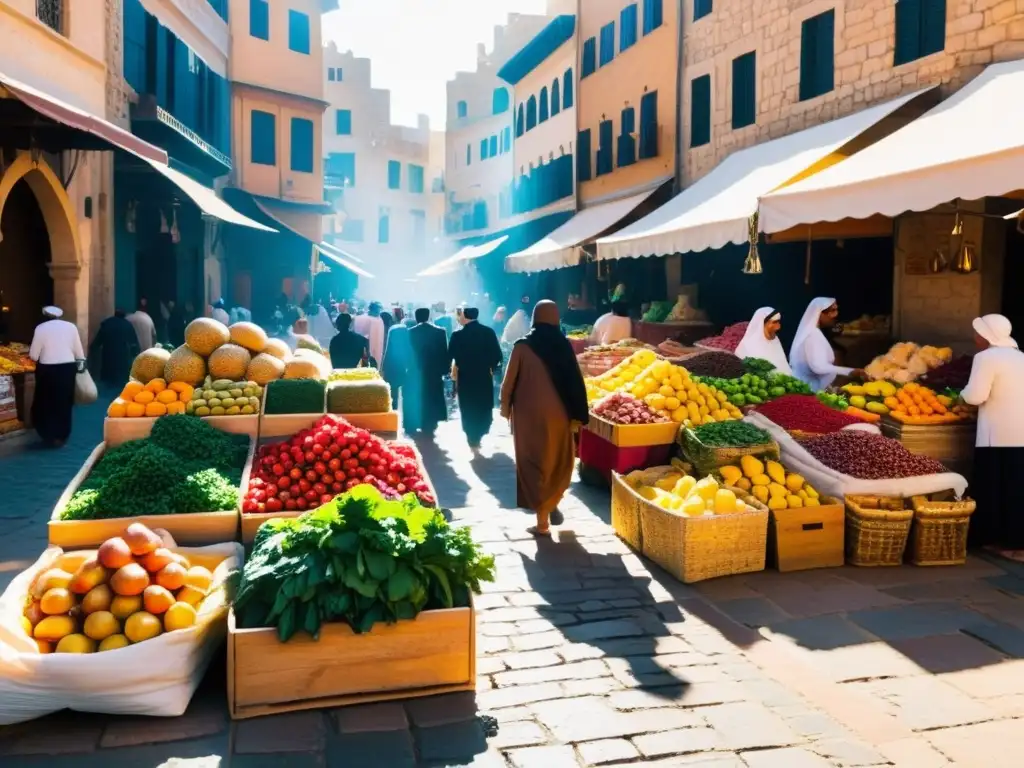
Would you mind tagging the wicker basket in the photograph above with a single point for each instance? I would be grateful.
(697, 548)
(877, 529)
(707, 458)
(938, 535)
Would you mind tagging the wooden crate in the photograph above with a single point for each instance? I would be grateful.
(808, 537)
(633, 435)
(195, 529)
(118, 431)
(432, 654)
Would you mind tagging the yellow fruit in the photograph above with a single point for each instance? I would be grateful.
(142, 626)
(204, 335)
(191, 595)
(53, 628)
(730, 474)
(668, 482)
(157, 599)
(694, 506)
(157, 385)
(70, 562)
(140, 539)
(145, 397)
(149, 365)
(776, 502)
(760, 493)
(117, 409)
(171, 576)
(794, 502)
(130, 580)
(123, 606)
(179, 616)
(96, 599)
(131, 389)
(199, 578)
(744, 484)
(671, 403)
(76, 644)
(156, 560)
(725, 502)
(776, 472)
(679, 415)
(44, 646)
(684, 486)
(229, 361)
(275, 348)
(648, 492)
(751, 467)
(706, 488)
(761, 480)
(26, 625)
(167, 396)
(101, 625)
(810, 491)
(50, 579)
(795, 482)
(858, 401)
(114, 553)
(156, 409)
(176, 408)
(811, 502)
(301, 368)
(886, 389)
(135, 410)
(876, 407)
(248, 335)
(113, 642)
(89, 574)
(185, 365)
(774, 489)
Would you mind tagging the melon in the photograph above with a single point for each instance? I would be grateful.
(204, 334)
(186, 366)
(264, 369)
(248, 335)
(278, 348)
(303, 368)
(229, 362)
(150, 364)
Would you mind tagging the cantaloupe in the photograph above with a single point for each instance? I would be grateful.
(185, 365)
(264, 368)
(278, 348)
(302, 368)
(229, 362)
(204, 334)
(248, 335)
(150, 364)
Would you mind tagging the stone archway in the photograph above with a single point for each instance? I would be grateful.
(59, 214)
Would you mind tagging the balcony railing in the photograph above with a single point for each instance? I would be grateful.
(51, 13)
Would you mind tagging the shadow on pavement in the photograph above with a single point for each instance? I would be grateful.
(498, 472)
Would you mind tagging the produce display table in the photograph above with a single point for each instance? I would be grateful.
(686, 332)
(952, 444)
(606, 457)
(121, 430)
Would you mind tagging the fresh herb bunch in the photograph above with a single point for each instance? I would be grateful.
(758, 366)
(833, 400)
(195, 440)
(731, 433)
(294, 396)
(360, 559)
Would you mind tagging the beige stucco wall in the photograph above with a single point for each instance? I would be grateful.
(649, 65)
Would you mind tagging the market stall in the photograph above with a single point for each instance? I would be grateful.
(19, 367)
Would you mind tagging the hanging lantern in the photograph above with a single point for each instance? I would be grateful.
(752, 264)
(966, 259)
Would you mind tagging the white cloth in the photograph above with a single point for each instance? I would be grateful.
(996, 330)
(611, 328)
(517, 327)
(754, 343)
(373, 329)
(994, 387)
(811, 357)
(145, 330)
(55, 342)
(221, 316)
(321, 327)
(52, 311)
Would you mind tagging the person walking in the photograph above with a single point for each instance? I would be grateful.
(395, 366)
(545, 400)
(57, 351)
(113, 350)
(145, 328)
(424, 385)
(371, 326)
(347, 348)
(476, 355)
(175, 324)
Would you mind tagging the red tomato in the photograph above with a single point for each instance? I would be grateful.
(360, 472)
(364, 455)
(304, 485)
(326, 478)
(307, 443)
(278, 469)
(400, 488)
(312, 476)
(323, 438)
(310, 457)
(290, 504)
(326, 498)
(339, 476)
(261, 508)
(258, 495)
(284, 482)
(318, 448)
(353, 447)
(320, 489)
(311, 495)
(273, 505)
(346, 454)
(284, 495)
(301, 503)
(337, 488)
(375, 457)
(320, 467)
(334, 464)
(295, 473)
(248, 506)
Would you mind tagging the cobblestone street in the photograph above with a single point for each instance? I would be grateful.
(588, 656)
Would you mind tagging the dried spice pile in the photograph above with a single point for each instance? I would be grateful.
(805, 413)
(951, 375)
(730, 338)
(721, 365)
(869, 457)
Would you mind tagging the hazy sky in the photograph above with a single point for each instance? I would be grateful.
(417, 45)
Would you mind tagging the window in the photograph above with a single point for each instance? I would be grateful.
(469, 154)
(483, 149)
(461, 109)
(744, 90)
(700, 111)
(416, 179)
(298, 32)
(652, 15)
(259, 19)
(649, 125)
(531, 113)
(394, 174)
(343, 122)
(627, 138)
(419, 226)
(583, 156)
(437, 185)
(556, 97)
(499, 101)
(607, 43)
(920, 29)
(817, 54)
(342, 165)
(506, 139)
(302, 145)
(330, 73)
(352, 230)
(263, 138)
(340, 74)
(383, 224)
(492, 147)
(627, 27)
(519, 122)
(543, 105)
(51, 13)
(605, 160)
(589, 57)
(701, 8)
(567, 88)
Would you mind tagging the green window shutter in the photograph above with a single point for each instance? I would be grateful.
(649, 125)
(908, 31)
(700, 111)
(583, 156)
(933, 26)
(394, 174)
(605, 161)
(627, 138)
(744, 90)
(826, 47)
(808, 59)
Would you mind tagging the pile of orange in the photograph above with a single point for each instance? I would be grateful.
(916, 404)
(157, 398)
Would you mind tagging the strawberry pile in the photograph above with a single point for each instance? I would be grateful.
(331, 458)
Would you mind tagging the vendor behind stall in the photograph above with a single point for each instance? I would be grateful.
(994, 386)
(811, 357)
(762, 340)
(614, 326)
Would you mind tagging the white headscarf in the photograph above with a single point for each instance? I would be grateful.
(995, 329)
(754, 343)
(808, 325)
(57, 312)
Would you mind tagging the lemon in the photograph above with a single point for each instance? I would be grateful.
(76, 644)
(113, 642)
(123, 606)
(142, 626)
(666, 390)
(101, 625)
(671, 403)
(179, 616)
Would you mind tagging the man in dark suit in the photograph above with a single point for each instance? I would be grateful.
(477, 355)
(423, 390)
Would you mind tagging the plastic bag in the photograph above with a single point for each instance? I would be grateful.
(85, 389)
(156, 677)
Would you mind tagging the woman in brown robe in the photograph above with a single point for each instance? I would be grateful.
(544, 397)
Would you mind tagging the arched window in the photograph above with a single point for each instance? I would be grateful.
(531, 113)
(519, 122)
(543, 104)
(567, 88)
(499, 101)
(556, 97)
(461, 109)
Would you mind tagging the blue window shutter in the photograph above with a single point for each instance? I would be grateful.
(344, 122)
(567, 89)
(469, 154)
(700, 111)
(556, 97)
(394, 174)
(383, 225)
(462, 109)
(744, 90)
(506, 136)
(605, 161)
(629, 120)
(627, 139)
(302, 145)
(416, 179)
(298, 32)
(520, 121)
(483, 149)
(652, 15)
(259, 19)
(531, 113)
(908, 31)
(499, 101)
(607, 43)
(589, 57)
(627, 27)
(649, 125)
(330, 73)
(701, 8)
(544, 114)
(826, 43)
(933, 26)
(808, 59)
(492, 149)
(263, 138)
(340, 72)
(583, 156)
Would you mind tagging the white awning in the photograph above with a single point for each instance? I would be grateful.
(204, 197)
(562, 247)
(466, 253)
(969, 146)
(336, 256)
(715, 210)
(341, 252)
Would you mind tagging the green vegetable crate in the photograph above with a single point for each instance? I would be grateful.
(191, 530)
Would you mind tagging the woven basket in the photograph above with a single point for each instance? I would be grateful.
(938, 535)
(876, 531)
(697, 548)
(707, 458)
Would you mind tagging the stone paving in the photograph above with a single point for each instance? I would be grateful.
(588, 656)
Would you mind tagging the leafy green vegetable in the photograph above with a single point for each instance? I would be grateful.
(360, 559)
(758, 366)
(833, 400)
(731, 433)
(294, 396)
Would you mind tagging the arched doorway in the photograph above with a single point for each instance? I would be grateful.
(25, 282)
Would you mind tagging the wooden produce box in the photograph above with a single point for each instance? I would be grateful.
(808, 537)
(284, 425)
(123, 430)
(633, 435)
(626, 512)
(432, 654)
(952, 444)
(195, 529)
